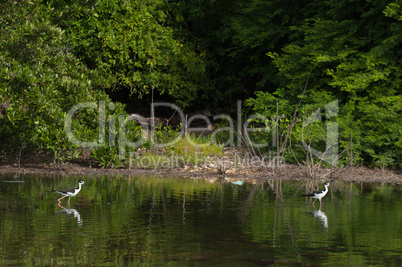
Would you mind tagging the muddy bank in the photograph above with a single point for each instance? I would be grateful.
(286, 172)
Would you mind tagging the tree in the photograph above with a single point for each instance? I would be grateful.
(131, 46)
(40, 80)
(348, 53)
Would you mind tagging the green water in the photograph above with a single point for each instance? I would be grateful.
(148, 220)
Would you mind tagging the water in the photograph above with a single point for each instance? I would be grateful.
(147, 220)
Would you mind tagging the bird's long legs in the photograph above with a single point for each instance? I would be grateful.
(61, 198)
(64, 197)
(315, 201)
(320, 203)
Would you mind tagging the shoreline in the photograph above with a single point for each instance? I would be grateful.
(286, 172)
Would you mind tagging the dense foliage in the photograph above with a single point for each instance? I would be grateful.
(205, 54)
(349, 52)
(131, 46)
(40, 81)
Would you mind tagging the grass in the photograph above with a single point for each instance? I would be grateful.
(188, 150)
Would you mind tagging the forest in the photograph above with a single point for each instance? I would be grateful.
(306, 68)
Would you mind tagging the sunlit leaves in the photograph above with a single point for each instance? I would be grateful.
(40, 80)
(133, 48)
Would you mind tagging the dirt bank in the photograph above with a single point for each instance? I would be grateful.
(286, 172)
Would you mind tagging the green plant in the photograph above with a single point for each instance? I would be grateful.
(40, 80)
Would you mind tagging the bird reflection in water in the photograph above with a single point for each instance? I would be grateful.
(70, 212)
(322, 217)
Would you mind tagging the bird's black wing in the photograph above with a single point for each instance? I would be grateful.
(65, 190)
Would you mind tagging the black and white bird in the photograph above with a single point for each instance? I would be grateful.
(71, 192)
(319, 194)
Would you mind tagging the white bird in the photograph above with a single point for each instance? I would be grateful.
(319, 194)
(71, 192)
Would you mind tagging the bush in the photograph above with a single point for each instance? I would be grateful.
(40, 80)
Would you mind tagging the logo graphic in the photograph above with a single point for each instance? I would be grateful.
(330, 155)
(117, 130)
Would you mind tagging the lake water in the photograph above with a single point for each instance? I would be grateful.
(151, 220)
